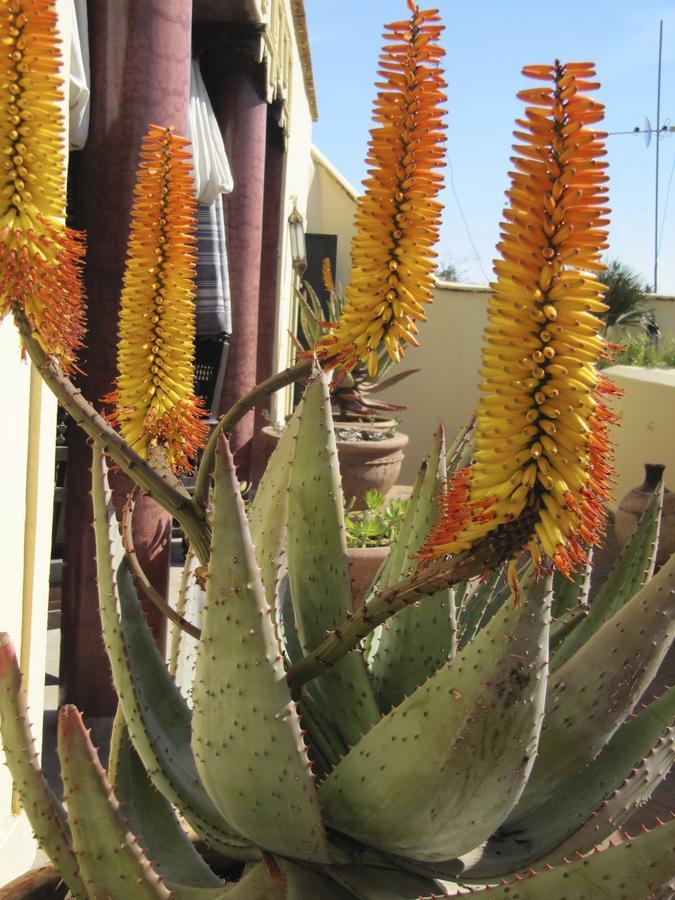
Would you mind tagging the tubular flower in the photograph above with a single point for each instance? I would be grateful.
(397, 218)
(154, 401)
(540, 473)
(40, 258)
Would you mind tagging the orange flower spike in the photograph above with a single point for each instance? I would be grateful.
(40, 258)
(154, 403)
(398, 216)
(541, 472)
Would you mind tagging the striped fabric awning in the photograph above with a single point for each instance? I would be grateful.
(212, 179)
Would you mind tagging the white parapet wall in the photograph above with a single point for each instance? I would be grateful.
(646, 433)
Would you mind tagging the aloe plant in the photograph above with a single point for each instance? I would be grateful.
(473, 741)
(475, 725)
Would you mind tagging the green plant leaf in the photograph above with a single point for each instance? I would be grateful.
(416, 642)
(478, 598)
(317, 562)
(569, 593)
(189, 605)
(633, 568)
(254, 884)
(96, 823)
(246, 734)
(158, 718)
(372, 883)
(151, 818)
(590, 805)
(268, 513)
(633, 869)
(475, 724)
(45, 813)
(592, 694)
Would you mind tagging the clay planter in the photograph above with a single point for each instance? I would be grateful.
(38, 884)
(363, 565)
(633, 504)
(364, 464)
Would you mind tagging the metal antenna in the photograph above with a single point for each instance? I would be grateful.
(658, 142)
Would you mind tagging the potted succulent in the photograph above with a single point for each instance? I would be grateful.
(370, 446)
(473, 726)
(370, 534)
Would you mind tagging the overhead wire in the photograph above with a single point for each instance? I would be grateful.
(464, 220)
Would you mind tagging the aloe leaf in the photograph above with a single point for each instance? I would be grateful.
(96, 823)
(246, 734)
(632, 869)
(269, 510)
(418, 641)
(475, 723)
(304, 882)
(317, 563)
(151, 817)
(591, 805)
(189, 605)
(477, 599)
(592, 694)
(255, 884)
(371, 883)
(46, 815)
(156, 713)
(569, 593)
(564, 624)
(285, 618)
(633, 568)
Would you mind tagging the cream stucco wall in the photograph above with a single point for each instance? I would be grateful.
(646, 433)
(445, 390)
(27, 463)
(664, 309)
(330, 210)
(296, 184)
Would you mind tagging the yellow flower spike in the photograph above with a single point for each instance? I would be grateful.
(398, 217)
(543, 487)
(40, 258)
(154, 403)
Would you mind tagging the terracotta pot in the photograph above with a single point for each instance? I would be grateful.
(38, 884)
(364, 464)
(369, 464)
(363, 565)
(633, 504)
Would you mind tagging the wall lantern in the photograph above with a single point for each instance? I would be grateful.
(296, 228)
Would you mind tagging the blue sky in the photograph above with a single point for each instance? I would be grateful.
(487, 43)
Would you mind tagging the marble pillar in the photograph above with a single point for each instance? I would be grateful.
(140, 65)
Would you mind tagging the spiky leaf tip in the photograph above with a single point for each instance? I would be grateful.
(40, 258)
(398, 216)
(154, 402)
(541, 442)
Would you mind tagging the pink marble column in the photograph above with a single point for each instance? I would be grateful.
(140, 69)
(242, 114)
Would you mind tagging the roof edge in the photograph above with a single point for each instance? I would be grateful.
(302, 37)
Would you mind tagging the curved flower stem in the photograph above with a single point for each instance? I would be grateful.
(146, 585)
(384, 604)
(178, 505)
(234, 414)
